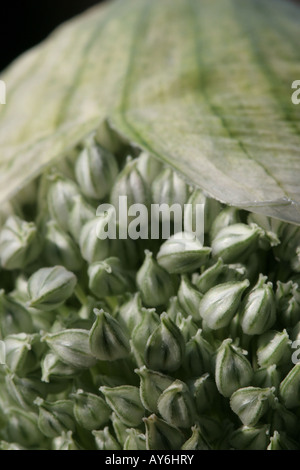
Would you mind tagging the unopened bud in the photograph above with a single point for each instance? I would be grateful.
(162, 436)
(189, 298)
(90, 410)
(125, 402)
(60, 198)
(198, 356)
(176, 405)
(105, 441)
(196, 441)
(250, 438)
(60, 249)
(135, 440)
(251, 403)
(289, 388)
(152, 385)
(55, 417)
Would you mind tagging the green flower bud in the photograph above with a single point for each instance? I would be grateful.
(90, 410)
(60, 249)
(174, 308)
(24, 390)
(182, 253)
(108, 278)
(161, 435)
(141, 333)
(288, 302)
(105, 441)
(155, 283)
(209, 277)
(149, 167)
(272, 227)
(290, 241)
(165, 348)
(250, 438)
(279, 441)
(189, 298)
(93, 248)
(81, 213)
(236, 242)
(251, 403)
(60, 197)
(220, 303)
(129, 314)
(211, 208)
(72, 347)
(151, 387)
(259, 309)
(233, 370)
(169, 188)
(55, 418)
(65, 442)
(54, 368)
(228, 216)
(267, 377)
(14, 317)
(19, 243)
(176, 405)
(125, 402)
(48, 288)
(107, 339)
(284, 420)
(22, 428)
(274, 347)
(186, 325)
(96, 169)
(20, 357)
(198, 356)
(120, 429)
(196, 441)
(205, 393)
(135, 440)
(212, 428)
(290, 388)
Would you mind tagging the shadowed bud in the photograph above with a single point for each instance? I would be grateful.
(90, 410)
(290, 387)
(155, 283)
(165, 348)
(135, 440)
(251, 403)
(141, 333)
(220, 303)
(54, 368)
(233, 370)
(20, 355)
(129, 314)
(198, 356)
(182, 253)
(48, 288)
(250, 438)
(120, 429)
(14, 317)
(189, 298)
(235, 242)
(274, 347)
(258, 312)
(288, 302)
(22, 428)
(284, 420)
(107, 339)
(125, 402)
(267, 377)
(24, 390)
(72, 347)
(280, 441)
(19, 243)
(196, 441)
(60, 249)
(55, 418)
(109, 278)
(209, 277)
(176, 405)
(96, 169)
(161, 435)
(205, 393)
(151, 387)
(60, 198)
(105, 441)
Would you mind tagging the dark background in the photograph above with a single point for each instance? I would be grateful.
(24, 23)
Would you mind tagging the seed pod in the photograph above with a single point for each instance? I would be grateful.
(205, 393)
(169, 188)
(55, 417)
(228, 216)
(288, 302)
(48, 288)
(109, 278)
(161, 435)
(182, 253)
(176, 405)
(20, 356)
(149, 167)
(60, 249)
(198, 356)
(189, 298)
(93, 248)
(22, 428)
(65, 442)
(135, 440)
(258, 312)
(129, 314)
(141, 333)
(151, 387)
(289, 388)
(96, 169)
(155, 283)
(220, 303)
(250, 438)
(72, 347)
(54, 368)
(196, 441)
(106, 338)
(60, 197)
(105, 441)
(251, 403)
(267, 377)
(81, 213)
(20, 244)
(210, 208)
(274, 347)
(14, 317)
(125, 402)
(233, 370)
(165, 348)
(235, 242)
(280, 441)
(90, 410)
